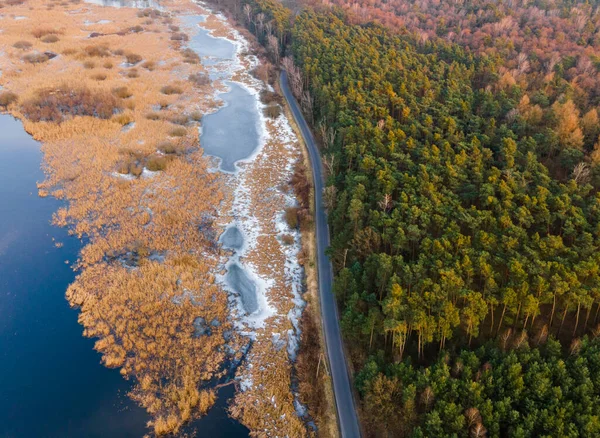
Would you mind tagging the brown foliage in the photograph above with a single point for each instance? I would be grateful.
(52, 38)
(7, 97)
(180, 119)
(122, 92)
(287, 239)
(36, 58)
(167, 147)
(157, 343)
(291, 217)
(190, 57)
(132, 74)
(100, 51)
(133, 58)
(269, 97)
(199, 79)
(42, 32)
(69, 51)
(99, 76)
(301, 184)
(123, 119)
(196, 116)
(171, 89)
(149, 12)
(312, 375)
(131, 167)
(23, 45)
(53, 104)
(178, 131)
(153, 116)
(272, 111)
(149, 65)
(157, 163)
(179, 37)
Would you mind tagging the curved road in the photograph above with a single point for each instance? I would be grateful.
(344, 400)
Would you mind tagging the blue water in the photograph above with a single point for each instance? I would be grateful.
(48, 371)
(205, 45)
(51, 381)
(232, 238)
(240, 282)
(231, 133)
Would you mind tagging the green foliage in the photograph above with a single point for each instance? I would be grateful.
(443, 194)
(466, 205)
(523, 392)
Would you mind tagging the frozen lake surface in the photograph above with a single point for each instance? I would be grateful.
(231, 133)
(232, 238)
(242, 284)
(140, 4)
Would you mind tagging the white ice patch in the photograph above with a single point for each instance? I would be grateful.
(149, 173)
(247, 223)
(125, 176)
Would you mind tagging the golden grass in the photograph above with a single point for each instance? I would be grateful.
(267, 407)
(142, 318)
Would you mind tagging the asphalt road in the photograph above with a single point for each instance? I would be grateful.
(344, 399)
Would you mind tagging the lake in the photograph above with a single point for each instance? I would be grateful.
(52, 383)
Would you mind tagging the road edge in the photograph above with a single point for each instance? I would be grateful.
(348, 423)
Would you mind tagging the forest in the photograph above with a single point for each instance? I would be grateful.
(461, 144)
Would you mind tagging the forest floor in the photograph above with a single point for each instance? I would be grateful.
(107, 92)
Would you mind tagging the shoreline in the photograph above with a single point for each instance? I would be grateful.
(120, 268)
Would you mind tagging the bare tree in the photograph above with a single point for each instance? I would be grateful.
(273, 48)
(472, 416)
(248, 13)
(294, 75)
(269, 28)
(581, 173)
(307, 104)
(478, 431)
(329, 196)
(543, 335)
(329, 164)
(521, 340)
(386, 203)
(427, 397)
(575, 347)
(259, 22)
(327, 135)
(505, 337)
